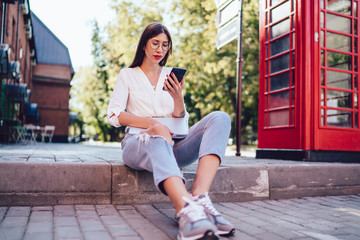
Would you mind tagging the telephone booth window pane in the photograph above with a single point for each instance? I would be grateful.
(322, 77)
(279, 118)
(338, 80)
(279, 63)
(338, 23)
(322, 117)
(266, 102)
(355, 9)
(337, 118)
(292, 97)
(356, 106)
(265, 120)
(355, 27)
(355, 83)
(279, 81)
(322, 97)
(338, 42)
(293, 40)
(280, 28)
(267, 67)
(340, 6)
(356, 45)
(280, 99)
(266, 18)
(322, 4)
(280, 11)
(339, 99)
(322, 39)
(355, 63)
(293, 59)
(322, 20)
(294, 5)
(293, 78)
(322, 58)
(356, 120)
(280, 45)
(292, 116)
(339, 60)
(274, 2)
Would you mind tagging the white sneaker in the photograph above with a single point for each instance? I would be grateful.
(223, 226)
(194, 223)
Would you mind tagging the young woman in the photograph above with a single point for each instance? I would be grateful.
(138, 97)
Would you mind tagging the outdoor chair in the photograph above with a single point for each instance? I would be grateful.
(30, 132)
(18, 133)
(48, 131)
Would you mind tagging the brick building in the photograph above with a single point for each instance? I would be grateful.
(35, 75)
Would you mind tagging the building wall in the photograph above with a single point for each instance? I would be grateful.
(49, 83)
(22, 51)
(50, 90)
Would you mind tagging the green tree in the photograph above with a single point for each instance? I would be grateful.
(211, 80)
(113, 48)
(123, 34)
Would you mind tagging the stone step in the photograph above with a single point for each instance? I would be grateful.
(63, 183)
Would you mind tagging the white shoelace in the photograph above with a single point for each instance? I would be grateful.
(193, 211)
(206, 202)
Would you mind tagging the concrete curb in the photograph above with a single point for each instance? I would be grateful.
(40, 184)
(35, 183)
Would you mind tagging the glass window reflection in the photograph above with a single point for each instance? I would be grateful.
(339, 60)
(340, 6)
(280, 11)
(279, 99)
(279, 118)
(337, 118)
(279, 81)
(339, 99)
(338, 23)
(338, 41)
(279, 63)
(280, 28)
(280, 45)
(338, 80)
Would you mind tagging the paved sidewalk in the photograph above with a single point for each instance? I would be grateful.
(329, 218)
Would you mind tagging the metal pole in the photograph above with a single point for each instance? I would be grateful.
(239, 82)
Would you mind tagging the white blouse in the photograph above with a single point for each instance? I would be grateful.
(134, 93)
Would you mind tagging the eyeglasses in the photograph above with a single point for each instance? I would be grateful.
(155, 45)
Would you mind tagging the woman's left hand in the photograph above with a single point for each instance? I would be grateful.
(173, 87)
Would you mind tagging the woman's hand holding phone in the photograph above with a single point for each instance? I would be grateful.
(173, 87)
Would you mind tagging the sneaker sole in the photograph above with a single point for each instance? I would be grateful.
(227, 234)
(209, 235)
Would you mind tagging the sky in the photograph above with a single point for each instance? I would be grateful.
(70, 21)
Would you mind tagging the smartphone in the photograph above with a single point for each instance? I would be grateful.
(179, 73)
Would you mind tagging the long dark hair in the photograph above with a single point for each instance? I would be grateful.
(152, 30)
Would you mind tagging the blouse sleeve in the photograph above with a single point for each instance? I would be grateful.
(118, 100)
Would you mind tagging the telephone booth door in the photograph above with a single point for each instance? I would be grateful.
(278, 86)
(337, 74)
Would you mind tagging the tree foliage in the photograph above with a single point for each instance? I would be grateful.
(210, 83)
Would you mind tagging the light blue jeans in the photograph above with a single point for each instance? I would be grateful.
(155, 154)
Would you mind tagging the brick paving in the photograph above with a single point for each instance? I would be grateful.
(329, 218)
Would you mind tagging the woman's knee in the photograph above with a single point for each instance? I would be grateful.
(221, 118)
(160, 130)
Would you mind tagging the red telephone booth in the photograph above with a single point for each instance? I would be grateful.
(309, 80)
